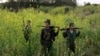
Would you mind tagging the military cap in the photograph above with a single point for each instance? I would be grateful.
(48, 21)
(71, 24)
(29, 21)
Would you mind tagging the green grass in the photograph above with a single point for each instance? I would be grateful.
(12, 42)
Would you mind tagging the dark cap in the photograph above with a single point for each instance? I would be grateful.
(71, 24)
(47, 21)
(29, 21)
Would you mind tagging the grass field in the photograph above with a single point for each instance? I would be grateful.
(12, 42)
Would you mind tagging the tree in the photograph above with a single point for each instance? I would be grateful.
(87, 4)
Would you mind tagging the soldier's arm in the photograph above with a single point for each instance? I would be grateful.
(56, 33)
(65, 34)
(30, 29)
(78, 33)
(23, 28)
(41, 36)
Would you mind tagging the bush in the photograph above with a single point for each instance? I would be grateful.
(57, 10)
(1, 6)
(87, 4)
(44, 9)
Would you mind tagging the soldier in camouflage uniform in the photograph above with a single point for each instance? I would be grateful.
(47, 37)
(70, 35)
(27, 30)
(27, 35)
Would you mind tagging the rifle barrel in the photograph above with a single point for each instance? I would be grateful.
(50, 26)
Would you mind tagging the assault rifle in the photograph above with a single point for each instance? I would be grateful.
(68, 28)
(50, 26)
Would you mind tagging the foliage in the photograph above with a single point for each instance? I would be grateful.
(12, 42)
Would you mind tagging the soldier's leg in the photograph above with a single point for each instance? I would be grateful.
(42, 51)
(69, 52)
(50, 50)
(68, 49)
(46, 52)
(41, 54)
(72, 48)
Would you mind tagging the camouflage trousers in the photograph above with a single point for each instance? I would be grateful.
(70, 48)
(46, 51)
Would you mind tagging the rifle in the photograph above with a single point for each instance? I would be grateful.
(24, 31)
(68, 28)
(23, 23)
(50, 26)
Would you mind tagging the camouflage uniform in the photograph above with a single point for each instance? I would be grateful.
(47, 38)
(70, 37)
(27, 32)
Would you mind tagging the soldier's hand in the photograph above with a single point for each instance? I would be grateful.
(58, 28)
(52, 40)
(64, 30)
(78, 30)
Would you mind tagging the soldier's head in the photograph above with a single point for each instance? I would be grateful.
(71, 25)
(47, 23)
(28, 22)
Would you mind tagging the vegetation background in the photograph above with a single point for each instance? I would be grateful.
(12, 42)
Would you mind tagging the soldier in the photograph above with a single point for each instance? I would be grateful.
(70, 34)
(27, 30)
(27, 35)
(48, 35)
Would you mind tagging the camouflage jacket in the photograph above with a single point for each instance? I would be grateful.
(71, 35)
(48, 35)
(27, 32)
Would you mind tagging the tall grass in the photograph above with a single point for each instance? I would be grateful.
(12, 42)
